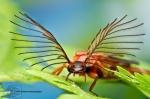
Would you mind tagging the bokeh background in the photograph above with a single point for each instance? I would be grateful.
(74, 23)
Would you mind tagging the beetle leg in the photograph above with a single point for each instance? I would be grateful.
(68, 76)
(92, 86)
(73, 74)
(84, 77)
(58, 70)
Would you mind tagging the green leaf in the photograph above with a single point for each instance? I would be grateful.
(73, 96)
(34, 75)
(3, 93)
(140, 81)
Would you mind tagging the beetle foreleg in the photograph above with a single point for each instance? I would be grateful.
(58, 70)
(92, 85)
(68, 76)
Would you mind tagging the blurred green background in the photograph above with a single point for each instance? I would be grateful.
(74, 23)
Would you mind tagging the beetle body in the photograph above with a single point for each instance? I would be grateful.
(95, 66)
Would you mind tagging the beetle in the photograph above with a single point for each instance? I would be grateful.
(91, 62)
